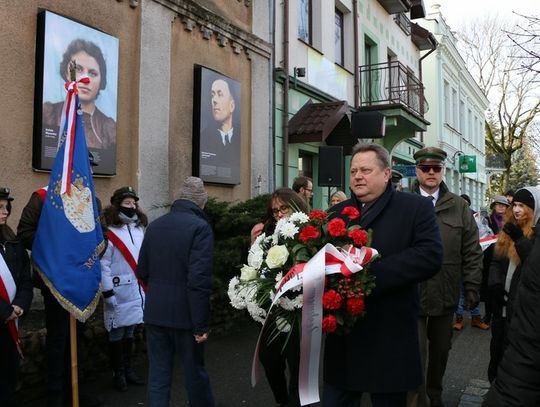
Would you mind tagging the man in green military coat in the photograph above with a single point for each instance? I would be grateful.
(462, 260)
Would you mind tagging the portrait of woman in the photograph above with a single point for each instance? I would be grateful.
(95, 55)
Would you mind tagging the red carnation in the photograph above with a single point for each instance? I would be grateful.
(317, 214)
(351, 212)
(336, 227)
(329, 324)
(309, 233)
(355, 305)
(331, 300)
(359, 237)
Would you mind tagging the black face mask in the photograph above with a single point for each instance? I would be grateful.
(129, 212)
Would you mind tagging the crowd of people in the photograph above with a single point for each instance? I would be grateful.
(429, 273)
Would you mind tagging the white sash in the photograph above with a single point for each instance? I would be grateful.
(7, 279)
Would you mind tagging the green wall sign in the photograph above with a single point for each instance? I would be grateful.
(467, 163)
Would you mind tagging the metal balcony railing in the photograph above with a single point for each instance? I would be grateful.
(390, 84)
(403, 22)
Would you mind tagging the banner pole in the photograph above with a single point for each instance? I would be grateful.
(74, 372)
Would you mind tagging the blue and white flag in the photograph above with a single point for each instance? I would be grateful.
(69, 238)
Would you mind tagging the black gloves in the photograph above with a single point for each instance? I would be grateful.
(472, 299)
(512, 230)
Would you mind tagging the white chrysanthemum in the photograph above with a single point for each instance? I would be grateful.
(279, 276)
(282, 325)
(255, 254)
(299, 218)
(298, 301)
(288, 230)
(237, 300)
(256, 312)
(286, 303)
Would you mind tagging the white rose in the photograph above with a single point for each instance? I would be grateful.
(247, 273)
(277, 256)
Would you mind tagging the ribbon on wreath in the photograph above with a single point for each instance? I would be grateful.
(311, 275)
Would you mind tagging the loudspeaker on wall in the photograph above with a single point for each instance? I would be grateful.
(330, 166)
(367, 125)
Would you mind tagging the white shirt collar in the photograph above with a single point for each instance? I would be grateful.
(225, 135)
(435, 195)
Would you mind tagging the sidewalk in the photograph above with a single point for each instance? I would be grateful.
(229, 357)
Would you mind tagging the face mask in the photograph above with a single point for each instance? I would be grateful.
(129, 212)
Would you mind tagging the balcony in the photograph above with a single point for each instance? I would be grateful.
(395, 6)
(403, 22)
(391, 85)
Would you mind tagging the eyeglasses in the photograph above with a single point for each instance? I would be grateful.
(283, 209)
(427, 168)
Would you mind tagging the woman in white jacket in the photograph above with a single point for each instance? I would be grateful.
(123, 294)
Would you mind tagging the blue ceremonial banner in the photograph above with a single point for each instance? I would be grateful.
(69, 238)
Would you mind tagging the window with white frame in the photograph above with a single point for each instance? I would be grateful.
(304, 21)
(447, 102)
(461, 116)
(454, 109)
(339, 38)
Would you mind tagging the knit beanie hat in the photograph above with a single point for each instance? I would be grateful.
(525, 197)
(193, 190)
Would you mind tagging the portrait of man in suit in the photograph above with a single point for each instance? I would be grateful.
(220, 135)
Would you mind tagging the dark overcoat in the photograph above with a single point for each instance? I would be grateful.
(518, 376)
(381, 354)
(175, 263)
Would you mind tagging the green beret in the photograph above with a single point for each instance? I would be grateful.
(431, 154)
(396, 176)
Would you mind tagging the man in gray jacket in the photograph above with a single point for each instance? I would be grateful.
(175, 263)
(462, 261)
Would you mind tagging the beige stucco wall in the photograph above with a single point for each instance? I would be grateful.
(188, 48)
(18, 20)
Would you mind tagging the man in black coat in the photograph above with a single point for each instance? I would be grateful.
(381, 355)
(175, 263)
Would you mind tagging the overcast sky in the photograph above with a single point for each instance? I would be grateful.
(458, 11)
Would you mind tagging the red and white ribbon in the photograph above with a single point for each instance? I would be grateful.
(129, 253)
(69, 111)
(8, 290)
(311, 275)
(486, 241)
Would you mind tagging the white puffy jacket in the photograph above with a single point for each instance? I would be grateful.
(126, 306)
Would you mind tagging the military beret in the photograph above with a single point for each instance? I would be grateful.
(396, 176)
(430, 154)
(122, 193)
(4, 194)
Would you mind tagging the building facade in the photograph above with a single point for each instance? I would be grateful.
(161, 44)
(457, 111)
(346, 70)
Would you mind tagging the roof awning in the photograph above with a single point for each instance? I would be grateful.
(322, 122)
(422, 38)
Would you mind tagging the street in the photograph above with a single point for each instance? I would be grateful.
(229, 358)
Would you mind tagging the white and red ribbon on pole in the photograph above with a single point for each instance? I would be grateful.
(311, 276)
(69, 110)
(486, 241)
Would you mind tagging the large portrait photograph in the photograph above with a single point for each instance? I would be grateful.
(217, 135)
(61, 40)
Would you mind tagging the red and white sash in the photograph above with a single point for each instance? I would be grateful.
(8, 289)
(128, 252)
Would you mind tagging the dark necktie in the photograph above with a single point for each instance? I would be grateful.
(432, 198)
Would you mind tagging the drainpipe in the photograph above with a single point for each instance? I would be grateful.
(272, 130)
(285, 130)
(421, 80)
(355, 44)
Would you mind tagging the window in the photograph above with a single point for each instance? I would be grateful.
(338, 40)
(447, 102)
(454, 109)
(305, 164)
(304, 21)
(461, 116)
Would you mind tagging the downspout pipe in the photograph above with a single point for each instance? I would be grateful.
(356, 56)
(285, 135)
